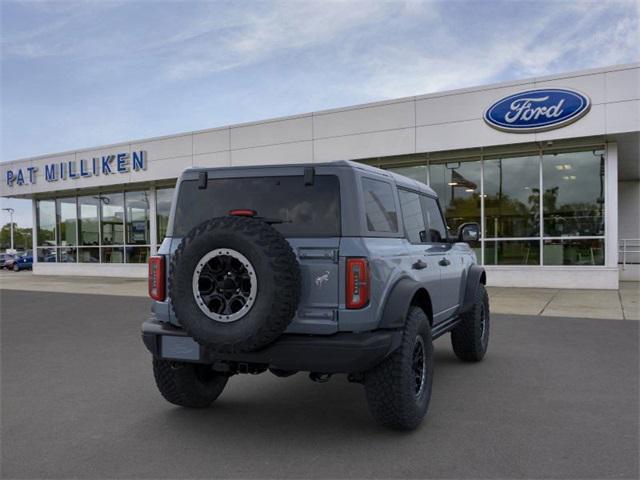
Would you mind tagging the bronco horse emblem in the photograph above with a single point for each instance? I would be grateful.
(321, 279)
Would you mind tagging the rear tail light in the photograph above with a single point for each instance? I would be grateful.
(357, 282)
(156, 278)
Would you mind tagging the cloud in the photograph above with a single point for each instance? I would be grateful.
(259, 36)
(556, 40)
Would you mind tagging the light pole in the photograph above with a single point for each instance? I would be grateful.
(11, 211)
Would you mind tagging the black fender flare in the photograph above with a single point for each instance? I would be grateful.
(398, 302)
(475, 277)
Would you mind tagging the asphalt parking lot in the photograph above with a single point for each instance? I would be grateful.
(555, 398)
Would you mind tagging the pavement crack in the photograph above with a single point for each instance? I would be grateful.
(550, 300)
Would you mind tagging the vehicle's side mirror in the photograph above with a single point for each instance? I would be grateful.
(469, 232)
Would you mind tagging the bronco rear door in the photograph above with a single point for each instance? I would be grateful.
(304, 207)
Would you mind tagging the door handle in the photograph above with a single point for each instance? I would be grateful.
(444, 262)
(419, 265)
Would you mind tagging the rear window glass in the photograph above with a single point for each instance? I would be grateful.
(380, 208)
(306, 210)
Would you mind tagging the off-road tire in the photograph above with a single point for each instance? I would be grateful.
(469, 339)
(278, 279)
(188, 384)
(390, 387)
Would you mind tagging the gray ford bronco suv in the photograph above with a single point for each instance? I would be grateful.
(324, 268)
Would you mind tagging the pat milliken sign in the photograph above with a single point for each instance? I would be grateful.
(105, 165)
(537, 110)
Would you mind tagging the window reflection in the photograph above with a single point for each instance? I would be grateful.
(67, 255)
(574, 252)
(512, 252)
(137, 254)
(137, 217)
(417, 172)
(112, 255)
(112, 206)
(512, 197)
(88, 220)
(163, 208)
(67, 217)
(380, 209)
(46, 255)
(89, 255)
(458, 187)
(573, 198)
(46, 218)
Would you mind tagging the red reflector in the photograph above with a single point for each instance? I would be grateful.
(243, 213)
(156, 278)
(357, 283)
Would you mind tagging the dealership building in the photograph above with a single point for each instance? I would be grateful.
(549, 166)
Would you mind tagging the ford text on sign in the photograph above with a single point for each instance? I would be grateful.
(537, 110)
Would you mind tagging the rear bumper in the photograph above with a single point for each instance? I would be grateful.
(339, 353)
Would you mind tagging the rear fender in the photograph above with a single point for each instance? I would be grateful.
(400, 299)
(475, 277)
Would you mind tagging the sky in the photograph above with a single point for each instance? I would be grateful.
(87, 73)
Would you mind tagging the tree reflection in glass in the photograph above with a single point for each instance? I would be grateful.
(573, 199)
(512, 197)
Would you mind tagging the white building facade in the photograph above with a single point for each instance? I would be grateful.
(550, 167)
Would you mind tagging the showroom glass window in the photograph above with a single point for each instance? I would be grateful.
(112, 218)
(512, 197)
(137, 226)
(573, 207)
(88, 229)
(458, 187)
(67, 221)
(112, 227)
(563, 226)
(46, 230)
(512, 210)
(164, 197)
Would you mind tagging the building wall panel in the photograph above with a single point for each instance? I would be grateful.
(299, 152)
(271, 133)
(391, 116)
(211, 141)
(348, 147)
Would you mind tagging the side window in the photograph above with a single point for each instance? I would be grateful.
(437, 231)
(412, 216)
(380, 208)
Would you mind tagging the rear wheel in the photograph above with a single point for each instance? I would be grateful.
(399, 389)
(188, 384)
(470, 338)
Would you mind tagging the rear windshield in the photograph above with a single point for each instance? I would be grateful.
(305, 210)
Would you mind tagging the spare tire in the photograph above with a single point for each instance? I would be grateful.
(234, 284)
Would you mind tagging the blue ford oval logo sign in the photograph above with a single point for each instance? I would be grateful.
(537, 110)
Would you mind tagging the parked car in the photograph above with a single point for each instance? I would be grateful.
(7, 263)
(326, 268)
(23, 262)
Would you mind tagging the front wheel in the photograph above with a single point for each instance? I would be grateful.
(470, 338)
(188, 384)
(16, 268)
(399, 388)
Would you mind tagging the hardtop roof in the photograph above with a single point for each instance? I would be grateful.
(400, 180)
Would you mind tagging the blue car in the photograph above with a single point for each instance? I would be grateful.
(24, 262)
